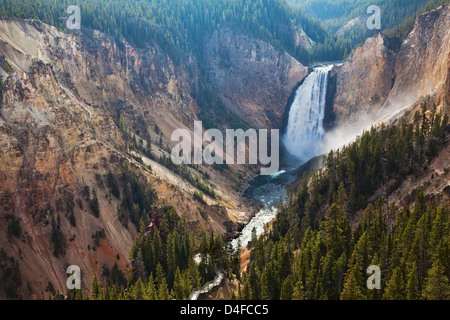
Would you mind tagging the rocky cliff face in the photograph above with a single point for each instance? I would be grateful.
(375, 82)
(422, 65)
(71, 104)
(252, 78)
(52, 146)
(364, 80)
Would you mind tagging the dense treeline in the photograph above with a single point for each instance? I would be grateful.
(396, 34)
(309, 255)
(398, 15)
(327, 46)
(163, 264)
(380, 157)
(179, 27)
(330, 261)
(165, 253)
(329, 9)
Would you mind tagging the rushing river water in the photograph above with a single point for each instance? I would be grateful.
(267, 189)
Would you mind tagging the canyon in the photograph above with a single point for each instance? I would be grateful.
(71, 105)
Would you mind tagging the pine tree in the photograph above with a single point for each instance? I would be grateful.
(337, 230)
(178, 285)
(95, 207)
(313, 275)
(264, 286)
(107, 292)
(150, 290)
(395, 288)
(342, 195)
(442, 253)
(246, 293)
(412, 286)
(149, 147)
(114, 295)
(139, 290)
(96, 288)
(254, 237)
(194, 274)
(341, 265)
(352, 290)
(171, 258)
(329, 277)
(163, 290)
(254, 283)
(420, 246)
(437, 284)
(159, 274)
(287, 289)
(298, 293)
(438, 230)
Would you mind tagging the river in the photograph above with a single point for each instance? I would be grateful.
(267, 189)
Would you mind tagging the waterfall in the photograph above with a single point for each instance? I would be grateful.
(304, 132)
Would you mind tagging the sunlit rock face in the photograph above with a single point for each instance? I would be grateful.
(376, 81)
(251, 76)
(364, 80)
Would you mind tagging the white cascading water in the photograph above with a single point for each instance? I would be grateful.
(305, 130)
